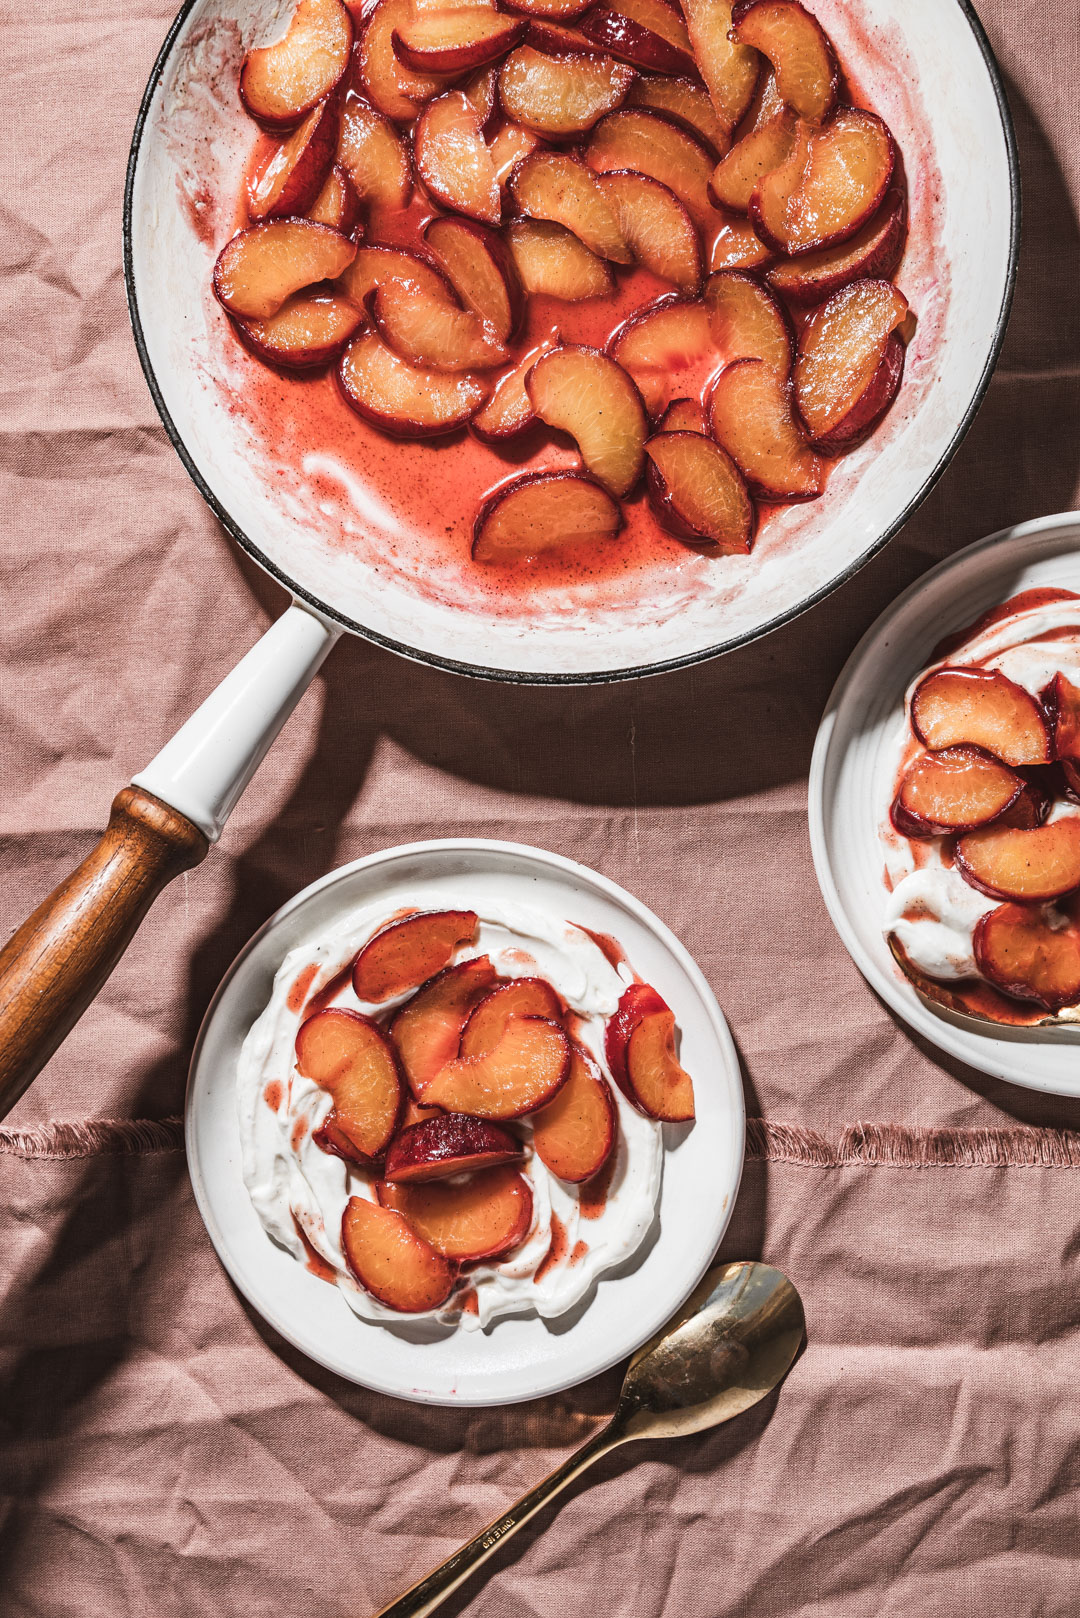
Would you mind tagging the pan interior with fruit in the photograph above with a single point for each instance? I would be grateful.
(305, 502)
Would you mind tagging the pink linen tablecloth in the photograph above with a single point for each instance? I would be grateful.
(161, 1452)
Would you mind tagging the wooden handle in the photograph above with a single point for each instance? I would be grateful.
(52, 968)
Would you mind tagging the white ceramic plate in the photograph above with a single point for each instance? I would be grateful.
(522, 1357)
(851, 781)
(925, 66)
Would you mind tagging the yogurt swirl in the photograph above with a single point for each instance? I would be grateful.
(300, 1192)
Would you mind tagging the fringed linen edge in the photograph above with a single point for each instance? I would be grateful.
(93, 1137)
(862, 1144)
(908, 1146)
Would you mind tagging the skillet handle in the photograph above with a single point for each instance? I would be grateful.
(164, 823)
(205, 767)
(56, 962)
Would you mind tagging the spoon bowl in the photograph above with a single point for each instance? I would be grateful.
(727, 1349)
(946, 1002)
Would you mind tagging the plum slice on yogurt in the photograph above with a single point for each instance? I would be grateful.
(641, 1051)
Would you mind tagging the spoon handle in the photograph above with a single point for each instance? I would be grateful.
(432, 1591)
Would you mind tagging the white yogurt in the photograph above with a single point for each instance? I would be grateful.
(931, 911)
(292, 1181)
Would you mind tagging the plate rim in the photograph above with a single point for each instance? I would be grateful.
(670, 942)
(898, 995)
(598, 676)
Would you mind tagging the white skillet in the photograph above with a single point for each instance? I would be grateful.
(924, 65)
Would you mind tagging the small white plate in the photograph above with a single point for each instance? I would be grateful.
(522, 1357)
(851, 770)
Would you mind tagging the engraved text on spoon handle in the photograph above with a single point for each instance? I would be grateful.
(432, 1591)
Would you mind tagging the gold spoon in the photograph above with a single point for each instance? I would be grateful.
(730, 1345)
